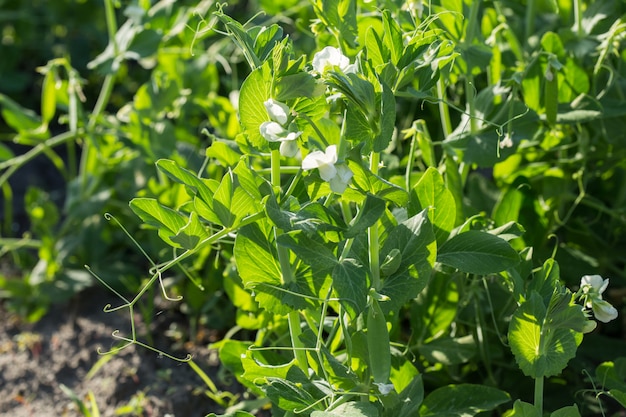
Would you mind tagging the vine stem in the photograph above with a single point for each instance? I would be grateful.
(372, 234)
(539, 395)
(293, 318)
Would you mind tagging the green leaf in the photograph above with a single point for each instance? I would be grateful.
(541, 338)
(226, 154)
(17, 117)
(478, 252)
(351, 409)
(415, 240)
(340, 17)
(301, 84)
(448, 350)
(256, 255)
(410, 399)
(223, 200)
(619, 396)
(150, 211)
(612, 375)
(369, 213)
(435, 308)
(523, 409)
(255, 90)
(350, 284)
(462, 400)
(191, 234)
(386, 120)
(367, 182)
(431, 192)
(569, 411)
(393, 37)
(295, 392)
(5, 153)
(183, 176)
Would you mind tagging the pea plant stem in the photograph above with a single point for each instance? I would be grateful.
(372, 234)
(539, 395)
(293, 318)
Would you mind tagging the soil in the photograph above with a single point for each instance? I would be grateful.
(36, 360)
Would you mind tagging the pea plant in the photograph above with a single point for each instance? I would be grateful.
(370, 287)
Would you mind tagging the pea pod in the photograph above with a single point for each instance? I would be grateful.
(551, 95)
(378, 346)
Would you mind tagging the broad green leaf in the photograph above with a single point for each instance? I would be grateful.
(300, 84)
(523, 409)
(508, 206)
(367, 182)
(224, 153)
(569, 411)
(386, 120)
(191, 234)
(295, 392)
(377, 53)
(369, 213)
(265, 38)
(151, 212)
(431, 192)
(256, 255)
(410, 399)
(435, 308)
(612, 375)
(230, 354)
(619, 396)
(257, 261)
(223, 200)
(315, 254)
(340, 17)
(17, 117)
(393, 36)
(543, 342)
(478, 252)
(351, 409)
(449, 351)
(235, 414)
(186, 177)
(241, 38)
(5, 153)
(350, 284)
(255, 90)
(463, 400)
(415, 240)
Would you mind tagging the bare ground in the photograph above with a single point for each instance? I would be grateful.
(62, 348)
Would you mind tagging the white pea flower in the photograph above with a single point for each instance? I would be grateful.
(278, 112)
(331, 57)
(275, 129)
(337, 175)
(591, 289)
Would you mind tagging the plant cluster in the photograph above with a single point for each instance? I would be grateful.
(411, 208)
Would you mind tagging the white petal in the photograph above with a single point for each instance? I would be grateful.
(337, 185)
(604, 311)
(594, 281)
(272, 131)
(328, 58)
(289, 148)
(327, 171)
(313, 160)
(278, 112)
(344, 173)
(331, 154)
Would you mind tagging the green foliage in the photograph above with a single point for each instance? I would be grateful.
(376, 227)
